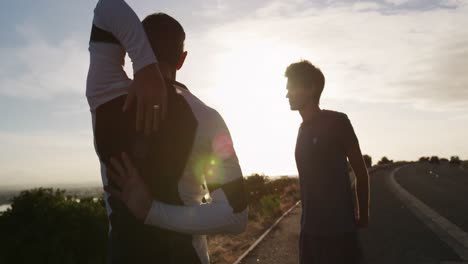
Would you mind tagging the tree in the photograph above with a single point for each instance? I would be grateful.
(384, 160)
(434, 160)
(45, 226)
(423, 159)
(455, 160)
(367, 160)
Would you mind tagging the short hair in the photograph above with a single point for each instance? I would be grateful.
(166, 36)
(305, 73)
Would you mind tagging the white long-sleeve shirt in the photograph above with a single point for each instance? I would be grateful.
(211, 168)
(213, 153)
(106, 76)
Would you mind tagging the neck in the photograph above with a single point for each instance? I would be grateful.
(167, 72)
(309, 111)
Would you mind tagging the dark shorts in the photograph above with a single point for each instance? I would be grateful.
(342, 248)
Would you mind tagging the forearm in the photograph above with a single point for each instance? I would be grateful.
(211, 218)
(362, 186)
(228, 211)
(362, 179)
(117, 17)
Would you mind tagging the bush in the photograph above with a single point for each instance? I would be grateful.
(434, 160)
(270, 205)
(45, 226)
(367, 160)
(455, 160)
(423, 159)
(465, 164)
(292, 191)
(255, 186)
(384, 160)
(258, 186)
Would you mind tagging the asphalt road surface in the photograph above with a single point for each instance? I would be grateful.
(395, 234)
(442, 187)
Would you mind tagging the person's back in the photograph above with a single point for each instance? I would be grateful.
(325, 141)
(189, 157)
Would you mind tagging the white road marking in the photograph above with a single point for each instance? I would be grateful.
(448, 232)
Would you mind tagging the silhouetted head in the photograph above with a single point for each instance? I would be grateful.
(305, 84)
(166, 37)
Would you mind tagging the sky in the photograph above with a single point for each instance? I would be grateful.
(397, 68)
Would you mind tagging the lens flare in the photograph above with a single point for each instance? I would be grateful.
(222, 145)
(209, 168)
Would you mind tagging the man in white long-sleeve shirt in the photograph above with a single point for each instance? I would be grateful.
(116, 30)
(164, 215)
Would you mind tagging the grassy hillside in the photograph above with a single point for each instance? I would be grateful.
(53, 226)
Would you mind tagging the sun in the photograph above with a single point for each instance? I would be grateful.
(249, 90)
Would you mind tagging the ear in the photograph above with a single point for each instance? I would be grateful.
(182, 60)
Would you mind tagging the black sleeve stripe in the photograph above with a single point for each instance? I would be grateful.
(235, 193)
(100, 35)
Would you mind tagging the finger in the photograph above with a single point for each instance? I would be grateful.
(163, 99)
(128, 164)
(113, 192)
(129, 100)
(115, 178)
(163, 103)
(117, 166)
(156, 118)
(148, 118)
(140, 113)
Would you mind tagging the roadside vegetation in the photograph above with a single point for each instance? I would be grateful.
(269, 198)
(465, 164)
(46, 225)
(454, 160)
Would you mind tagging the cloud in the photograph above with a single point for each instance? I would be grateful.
(404, 52)
(423, 4)
(396, 2)
(367, 54)
(39, 69)
(443, 81)
(213, 9)
(366, 6)
(283, 7)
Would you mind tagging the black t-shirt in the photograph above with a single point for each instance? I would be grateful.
(323, 173)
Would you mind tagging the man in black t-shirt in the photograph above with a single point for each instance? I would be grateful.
(326, 140)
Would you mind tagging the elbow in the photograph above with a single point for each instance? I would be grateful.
(239, 222)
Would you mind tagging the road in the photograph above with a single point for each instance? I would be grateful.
(445, 189)
(396, 233)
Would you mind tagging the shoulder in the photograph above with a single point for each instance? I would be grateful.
(335, 116)
(190, 98)
(201, 110)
